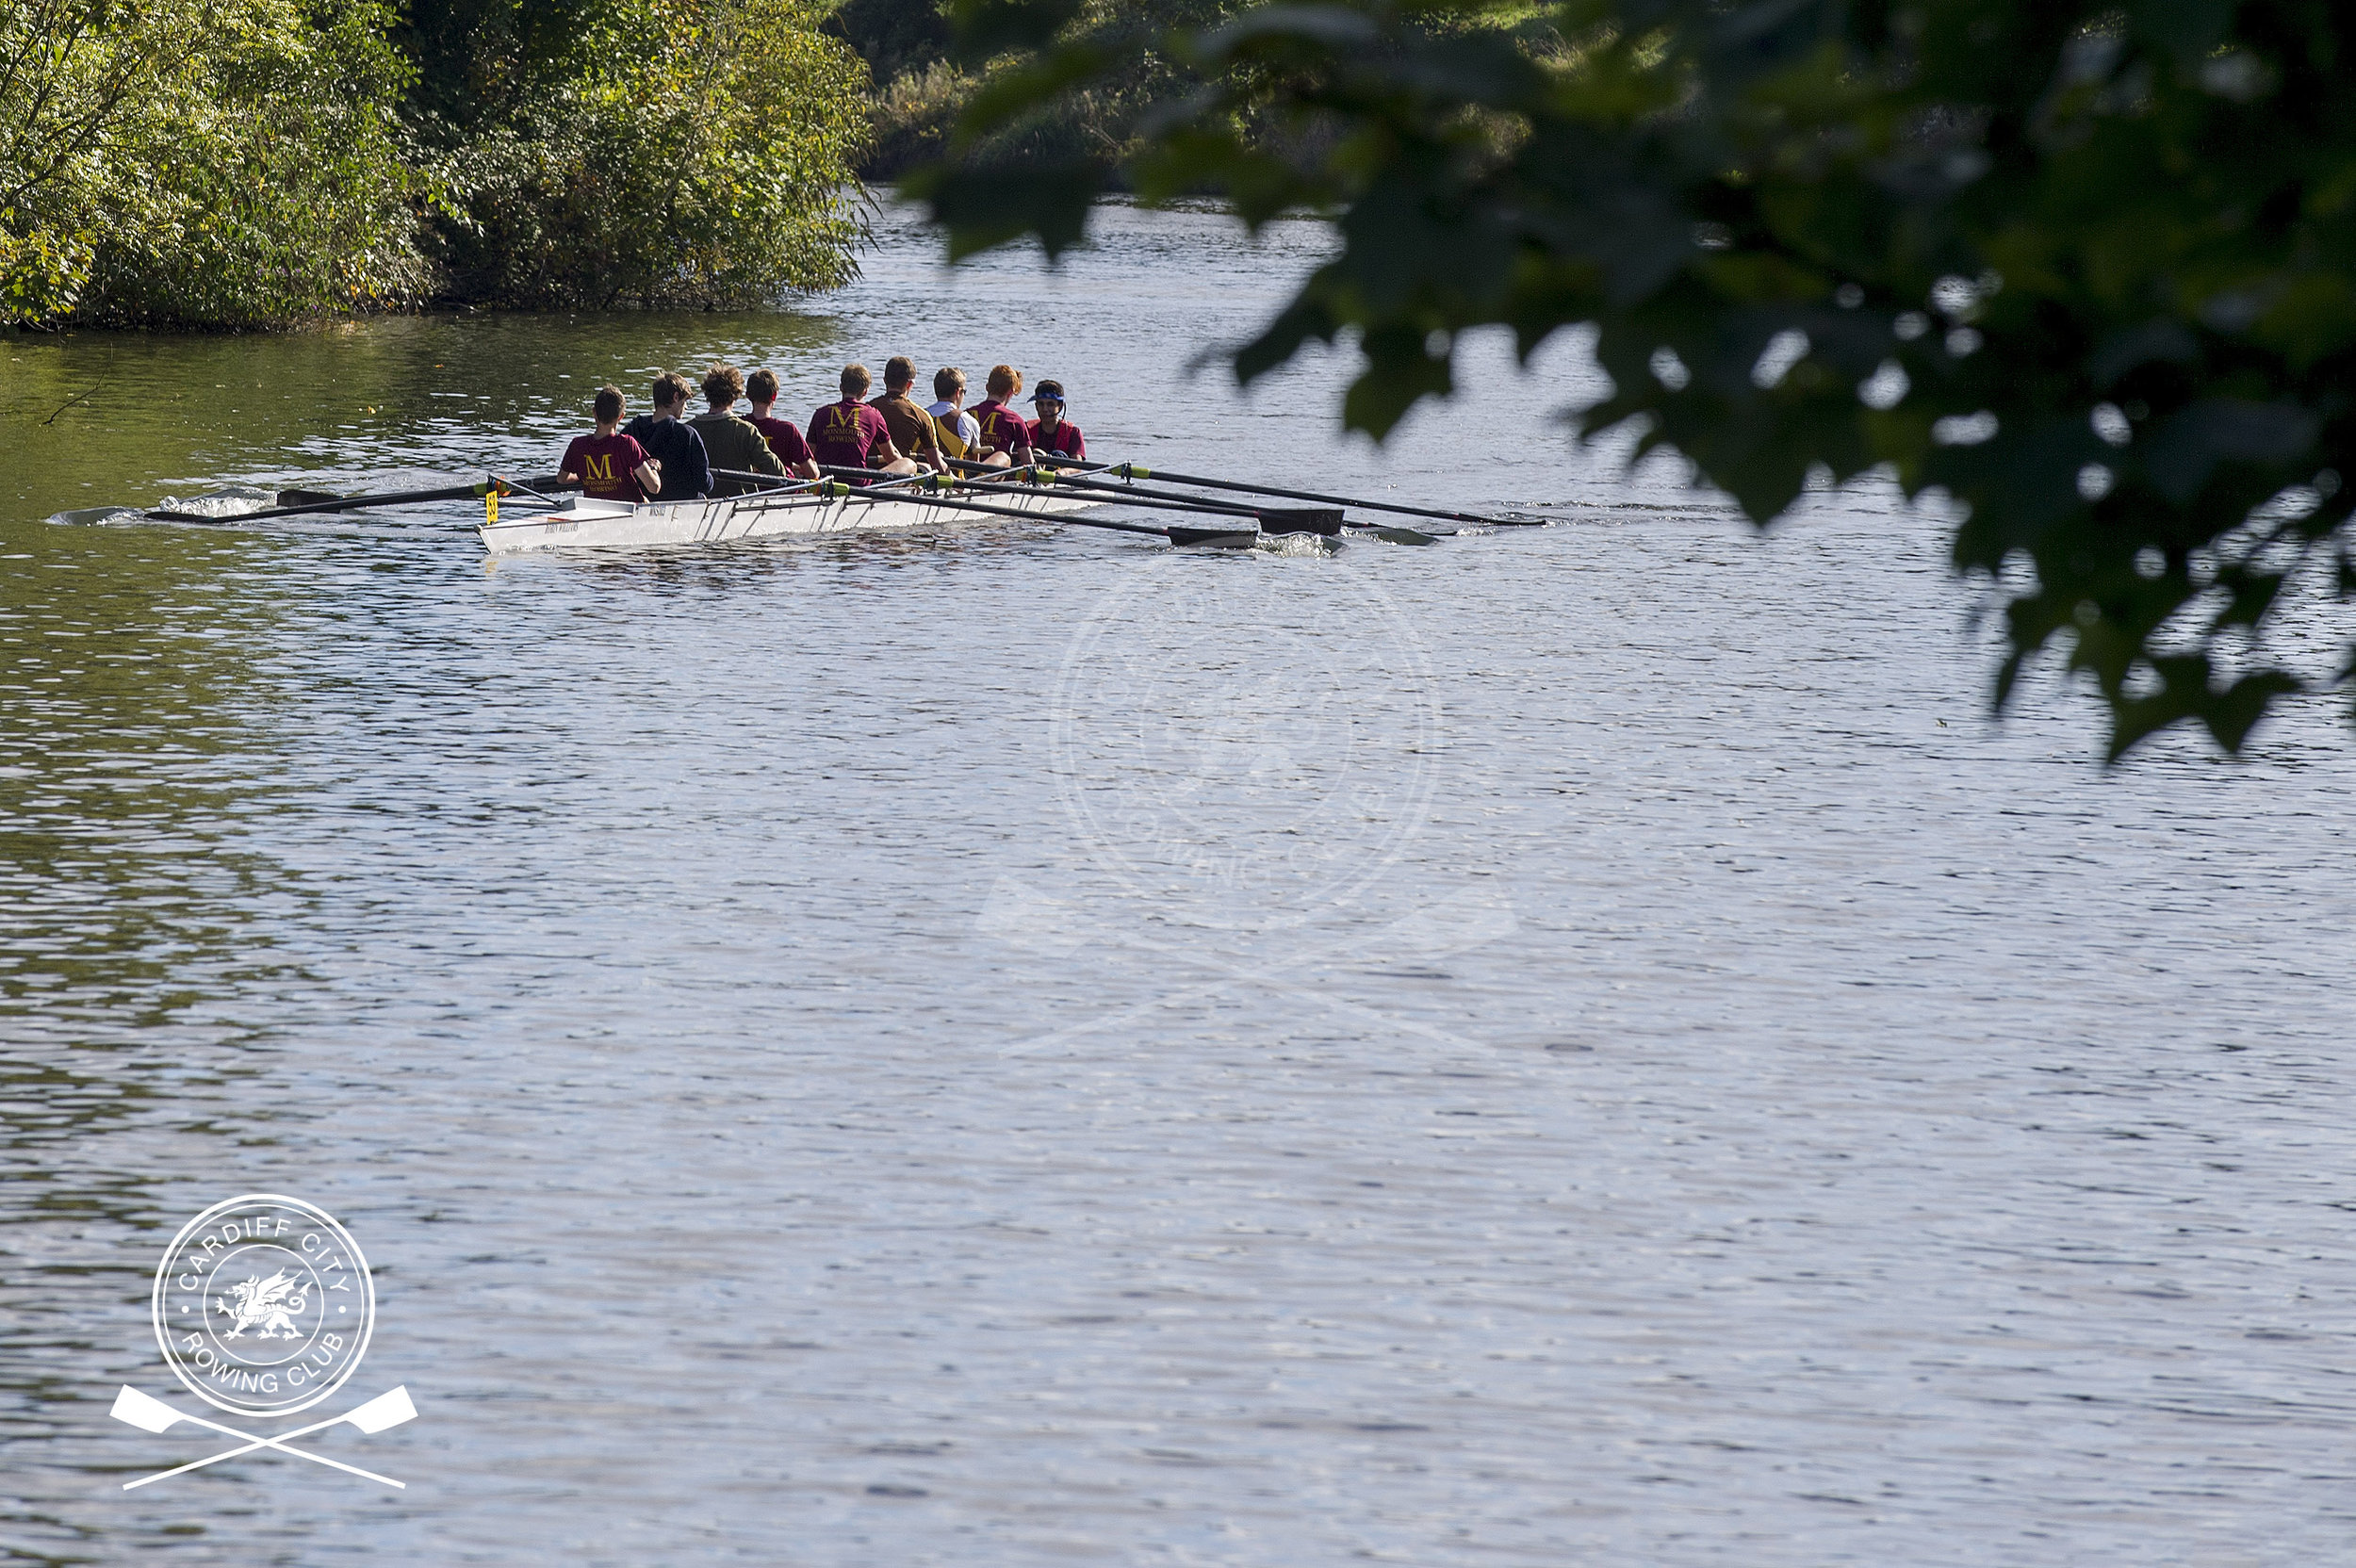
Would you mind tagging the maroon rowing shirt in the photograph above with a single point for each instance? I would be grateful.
(842, 434)
(1002, 429)
(783, 439)
(606, 465)
(1066, 439)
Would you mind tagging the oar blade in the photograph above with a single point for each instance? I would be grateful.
(385, 1409)
(1326, 520)
(147, 1413)
(1400, 535)
(1211, 538)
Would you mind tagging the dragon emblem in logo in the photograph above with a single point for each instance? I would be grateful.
(274, 1304)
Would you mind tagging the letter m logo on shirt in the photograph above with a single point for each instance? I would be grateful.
(600, 466)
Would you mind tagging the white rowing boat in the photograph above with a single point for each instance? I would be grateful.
(587, 524)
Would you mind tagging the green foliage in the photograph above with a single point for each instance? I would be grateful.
(2089, 268)
(647, 151)
(932, 76)
(249, 162)
(217, 161)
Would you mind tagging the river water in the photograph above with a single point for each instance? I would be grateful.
(1578, 1044)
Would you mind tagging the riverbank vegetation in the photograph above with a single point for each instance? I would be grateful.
(923, 84)
(250, 162)
(2086, 269)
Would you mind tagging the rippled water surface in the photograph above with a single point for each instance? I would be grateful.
(1577, 1044)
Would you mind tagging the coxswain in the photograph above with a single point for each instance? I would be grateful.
(850, 435)
(1051, 431)
(1004, 435)
(785, 436)
(609, 465)
(671, 441)
(728, 441)
(959, 429)
(911, 426)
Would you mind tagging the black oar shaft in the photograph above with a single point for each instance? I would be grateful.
(1127, 470)
(832, 489)
(854, 495)
(358, 503)
(1156, 498)
(1115, 495)
(777, 486)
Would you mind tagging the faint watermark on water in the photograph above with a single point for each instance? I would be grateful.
(1245, 749)
(1246, 743)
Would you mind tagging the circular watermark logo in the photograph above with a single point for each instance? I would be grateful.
(264, 1305)
(1248, 743)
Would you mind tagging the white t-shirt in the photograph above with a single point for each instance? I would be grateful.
(969, 429)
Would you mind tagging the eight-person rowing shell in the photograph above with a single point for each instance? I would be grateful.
(665, 478)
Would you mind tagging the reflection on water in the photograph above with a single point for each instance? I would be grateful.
(137, 736)
(1573, 1045)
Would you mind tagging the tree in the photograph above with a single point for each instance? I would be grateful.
(220, 162)
(595, 153)
(250, 162)
(2089, 268)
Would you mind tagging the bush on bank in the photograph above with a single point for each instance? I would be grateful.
(682, 153)
(209, 160)
(230, 163)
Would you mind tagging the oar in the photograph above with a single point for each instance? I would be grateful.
(385, 1410)
(151, 1414)
(985, 472)
(1183, 503)
(1298, 519)
(1271, 519)
(1135, 470)
(361, 503)
(821, 485)
(1287, 519)
(778, 487)
(1294, 520)
(1174, 533)
(375, 1415)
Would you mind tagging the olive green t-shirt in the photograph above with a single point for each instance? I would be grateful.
(735, 443)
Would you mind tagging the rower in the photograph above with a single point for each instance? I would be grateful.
(610, 466)
(912, 428)
(959, 429)
(673, 442)
(1053, 432)
(784, 435)
(1006, 435)
(850, 435)
(728, 441)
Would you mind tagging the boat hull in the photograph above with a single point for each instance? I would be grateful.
(588, 524)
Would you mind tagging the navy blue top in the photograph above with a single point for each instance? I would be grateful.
(680, 448)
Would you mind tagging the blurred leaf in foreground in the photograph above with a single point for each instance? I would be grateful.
(2089, 268)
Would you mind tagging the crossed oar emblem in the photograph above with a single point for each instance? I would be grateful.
(151, 1414)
